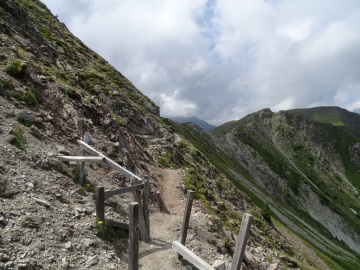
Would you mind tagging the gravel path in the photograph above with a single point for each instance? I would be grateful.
(165, 227)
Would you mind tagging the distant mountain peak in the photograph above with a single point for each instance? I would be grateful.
(193, 119)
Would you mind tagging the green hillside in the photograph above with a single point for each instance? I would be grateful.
(312, 150)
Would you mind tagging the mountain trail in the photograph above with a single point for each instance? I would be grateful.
(165, 227)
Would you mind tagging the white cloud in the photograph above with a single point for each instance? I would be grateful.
(297, 31)
(171, 105)
(226, 58)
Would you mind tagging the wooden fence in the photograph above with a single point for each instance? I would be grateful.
(141, 200)
(195, 260)
(139, 221)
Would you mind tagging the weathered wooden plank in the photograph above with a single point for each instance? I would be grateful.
(142, 228)
(123, 190)
(133, 236)
(112, 164)
(146, 192)
(117, 224)
(81, 158)
(186, 219)
(82, 164)
(241, 242)
(190, 256)
(100, 204)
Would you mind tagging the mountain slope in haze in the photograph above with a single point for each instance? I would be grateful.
(53, 88)
(201, 123)
(307, 159)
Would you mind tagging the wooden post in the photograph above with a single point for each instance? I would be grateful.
(186, 219)
(82, 164)
(146, 192)
(241, 242)
(100, 204)
(142, 226)
(133, 236)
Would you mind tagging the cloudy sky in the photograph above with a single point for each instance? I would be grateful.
(222, 59)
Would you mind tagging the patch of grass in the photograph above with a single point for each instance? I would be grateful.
(30, 98)
(7, 89)
(47, 34)
(75, 174)
(165, 160)
(266, 212)
(89, 78)
(89, 187)
(20, 141)
(120, 120)
(194, 181)
(161, 176)
(109, 233)
(35, 132)
(15, 68)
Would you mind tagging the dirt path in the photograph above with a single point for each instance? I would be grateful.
(165, 227)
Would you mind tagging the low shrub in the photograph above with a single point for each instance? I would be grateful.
(30, 98)
(16, 68)
(266, 212)
(19, 141)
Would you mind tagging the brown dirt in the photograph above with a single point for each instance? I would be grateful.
(165, 227)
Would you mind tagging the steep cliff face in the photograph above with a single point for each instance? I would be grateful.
(307, 164)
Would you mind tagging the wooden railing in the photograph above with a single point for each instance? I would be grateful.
(139, 228)
(195, 260)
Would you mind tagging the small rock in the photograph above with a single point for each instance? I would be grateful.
(9, 264)
(68, 245)
(5, 258)
(24, 264)
(219, 265)
(32, 221)
(274, 266)
(41, 247)
(63, 151)
(93, 260)
(42, 202)
(88, 242)
(26, 117)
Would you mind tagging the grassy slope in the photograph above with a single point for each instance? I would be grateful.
(339, 119)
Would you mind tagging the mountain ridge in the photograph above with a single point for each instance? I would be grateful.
(293, 138)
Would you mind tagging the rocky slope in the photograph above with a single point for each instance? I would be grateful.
(306, 159)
